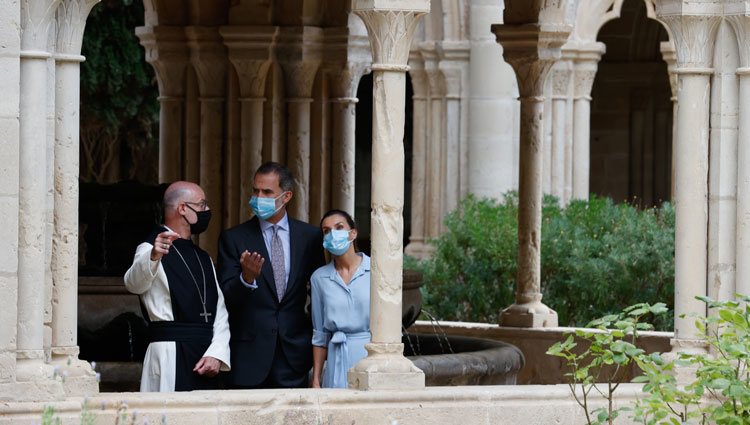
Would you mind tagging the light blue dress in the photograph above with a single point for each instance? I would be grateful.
(341, 319)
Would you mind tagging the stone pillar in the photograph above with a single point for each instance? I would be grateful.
(585, 65)
(417, 247)
(722, 167)
(454, 65)
(9, 126)
(670, 57)
(531, 51)
(249, 52)
(209, 58)
(491, 135)
(344, 114)
(299, 56)
(167, 52)
(36, 19)
(71, 18)
(560, 76)
(390, 30)
(435, 159)
(741, 25)
(694, 40)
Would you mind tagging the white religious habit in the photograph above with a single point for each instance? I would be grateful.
(186, 313)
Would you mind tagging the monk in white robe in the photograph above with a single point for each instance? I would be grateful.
(179, 292)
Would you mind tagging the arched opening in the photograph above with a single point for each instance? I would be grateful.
(631, 111)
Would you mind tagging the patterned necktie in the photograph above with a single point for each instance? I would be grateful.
(277, 263)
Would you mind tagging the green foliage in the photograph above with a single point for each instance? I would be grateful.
(720, 393)
(597, 258)
(599, 357)
(118, 89)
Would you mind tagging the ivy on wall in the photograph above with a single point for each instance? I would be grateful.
(119, 107)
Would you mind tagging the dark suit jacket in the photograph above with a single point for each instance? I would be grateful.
(256, 317)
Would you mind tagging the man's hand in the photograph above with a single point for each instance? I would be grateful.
(207, 366)
(251, 265)
(162, 243)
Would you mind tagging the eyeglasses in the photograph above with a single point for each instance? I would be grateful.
(202, 204)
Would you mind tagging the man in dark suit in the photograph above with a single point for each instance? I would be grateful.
(266, 263)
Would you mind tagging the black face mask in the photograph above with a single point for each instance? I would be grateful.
(200, 226)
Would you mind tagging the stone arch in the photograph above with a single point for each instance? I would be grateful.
(631, 139)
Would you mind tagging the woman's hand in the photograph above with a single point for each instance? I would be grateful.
(315, 383)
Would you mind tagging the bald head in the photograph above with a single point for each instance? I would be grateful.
(178, 192)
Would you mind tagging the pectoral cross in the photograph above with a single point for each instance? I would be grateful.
(205, 315)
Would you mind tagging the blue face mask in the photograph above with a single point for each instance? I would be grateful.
(264, 208)
(337, 241)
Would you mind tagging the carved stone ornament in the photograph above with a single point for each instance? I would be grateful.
(36, 20)
(391, 33)
(694, 38)
(209, 58)
(741, 26)
(250, 52)
(71, 21)
(167, 52)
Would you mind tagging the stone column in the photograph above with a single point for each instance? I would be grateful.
(531, 51)
(299, 56)
(417, 247)
(670, 57)
(249, 52)
(453, 66)
(10, 69)
(694, 37)
(560, 76)
(585, 66)
(344, 114)
(71, 18)
(37, 17)
(434, 146)
(167, 52)
(741, 25)
(209, 58)
(390, 30)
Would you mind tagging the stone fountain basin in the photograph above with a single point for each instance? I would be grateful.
(474, 361)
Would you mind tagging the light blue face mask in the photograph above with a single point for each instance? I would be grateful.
(337, 241)
(264, 208)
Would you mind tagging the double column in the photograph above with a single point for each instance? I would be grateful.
(585, 65)
(209, 59)
(167, 52)
(531, 51)
(71, 18)
(741, 26)
(390, 28)
(694, 37)
(298, 54)
(250, 54)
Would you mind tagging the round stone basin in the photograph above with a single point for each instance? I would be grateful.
(474, 361)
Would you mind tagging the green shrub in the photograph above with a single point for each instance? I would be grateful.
(597, 258)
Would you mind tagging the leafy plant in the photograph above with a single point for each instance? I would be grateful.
(720, 393)
(597, 258)
(600, 357)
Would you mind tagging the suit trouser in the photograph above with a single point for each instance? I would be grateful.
(281, 375)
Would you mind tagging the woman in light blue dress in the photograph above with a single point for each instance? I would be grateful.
(340, 303)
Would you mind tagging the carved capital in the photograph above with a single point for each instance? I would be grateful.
(452, 78)
(391, 30)
(418, 75)
(670, 57)
(71, 21)
(299, 54)
(741, 25)
(531, 50)
(209, 59)
(694, 37)
(561, 75)
(167, 52)
(345, 81)
(37, 17)
(250, 51)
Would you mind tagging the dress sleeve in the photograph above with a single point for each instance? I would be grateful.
(320, 337)
(141, 274)
(219, 348)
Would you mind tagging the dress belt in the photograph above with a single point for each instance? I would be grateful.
(340, 352)
(180, 331)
